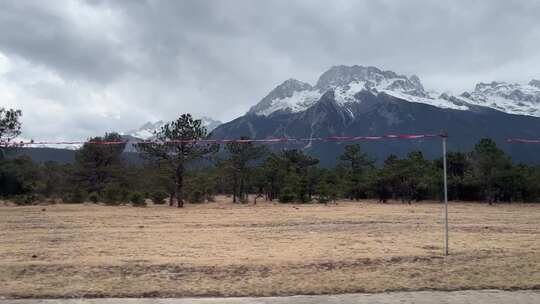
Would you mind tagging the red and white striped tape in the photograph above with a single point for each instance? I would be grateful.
(523, 141)
(225, 141)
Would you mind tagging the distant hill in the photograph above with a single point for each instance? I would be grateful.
(63, 156)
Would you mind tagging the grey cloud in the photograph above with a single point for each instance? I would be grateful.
(218, 58)
(34, 31)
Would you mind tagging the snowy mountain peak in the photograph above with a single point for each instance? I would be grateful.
(147, 130)
(511, 98)
(373, 77)
(346, 82)
(287, 88)
(152, 125)
(283, 96)
(210, 123)
(535, 83)
(416, 82)
(509, 91)
(492, 86)
(291, 85)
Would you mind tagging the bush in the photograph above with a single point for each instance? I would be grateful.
(326, 192)
(112, 194)
(75, 197)
(24, 199)
(158, 197)
(93, 197)
(323, 199)
(286, 196)
(196, 196)
(137, 199)
(124, 194)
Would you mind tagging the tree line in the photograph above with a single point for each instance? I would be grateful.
(177, 169)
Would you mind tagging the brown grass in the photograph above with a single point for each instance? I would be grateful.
(268, 249)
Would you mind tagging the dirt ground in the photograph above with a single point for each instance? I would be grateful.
(221, 249)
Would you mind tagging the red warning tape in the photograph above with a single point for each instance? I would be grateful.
(223, 141)
(523, 141)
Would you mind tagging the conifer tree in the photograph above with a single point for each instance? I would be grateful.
(176, 145)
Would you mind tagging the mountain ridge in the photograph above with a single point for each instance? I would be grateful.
(346, 81)
(364, 101)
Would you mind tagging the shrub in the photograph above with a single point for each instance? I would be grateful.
(124, 194)
(75, 197)
(112, 194)
(326, 194)
(158, 197)
(137, 199)
(286, 196)
(196, 196)
(24, 199)
(93, 197)
(78, 197)
(323, 199)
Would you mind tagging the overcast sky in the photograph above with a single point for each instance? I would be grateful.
(81, 68)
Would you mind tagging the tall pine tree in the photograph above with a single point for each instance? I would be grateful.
(176, 145)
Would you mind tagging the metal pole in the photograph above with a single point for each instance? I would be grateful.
(445, 198)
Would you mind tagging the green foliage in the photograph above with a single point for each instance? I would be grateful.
(18, 176)
(295, 169)
(54, 179)
(77, 196)
(176, 147)
(137, 199)
(112, 194)
(96, 164)
(287, 195)
(356, 167)
(25, 199)
(326, 187)
(273, 173)
(485, 173)
(93, 197)
(158, 197)
(196, 196)
(201, 185)
(491, 169)
(10, 127)
(530, 186)
(459, 176)
(242, 154)
(124, 194)
(22, 176)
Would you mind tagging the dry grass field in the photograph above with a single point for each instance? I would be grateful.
(268, 249)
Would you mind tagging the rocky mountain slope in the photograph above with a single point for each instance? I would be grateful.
(346, 81)
(356, 100)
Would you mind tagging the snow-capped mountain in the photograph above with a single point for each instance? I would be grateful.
(60, 144)
(507, 97)
(347, 81)
(357, 100)
(147, 130)
(210, 123)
